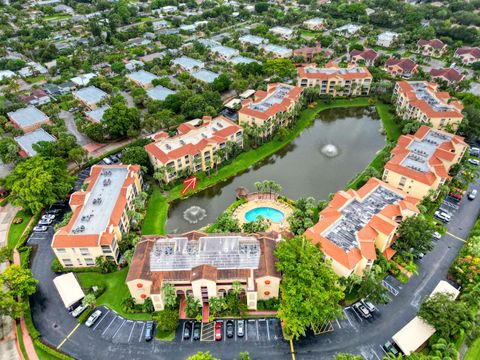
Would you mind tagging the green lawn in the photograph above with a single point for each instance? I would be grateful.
(165, 335)
(115, 291)
(35, 79)
(473, 351)
(157, 210)
(57, 17)
(16, 230)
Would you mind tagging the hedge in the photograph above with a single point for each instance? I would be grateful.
(56, 267)
(28, 230)
(34, 333)
(84, 316)
(50, 351)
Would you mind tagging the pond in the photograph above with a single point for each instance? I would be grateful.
(308, 166)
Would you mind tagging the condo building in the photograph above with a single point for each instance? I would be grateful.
(355, 223)
(99, 216)
(336, 81)
(204, 266)
(421, 162)
(272, 108)
(421, 101)
(195, 146)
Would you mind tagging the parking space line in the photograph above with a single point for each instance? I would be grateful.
(375, 353)
(268, 331)
(258, 336)
(183, 330)
(246, 330)
(358, 316)
(104, 331)
(338, 323)
(141, 333)
(381, 347)
(66, 338)
(224, 330)
(346, 316)
(131, 332)
(116, 332)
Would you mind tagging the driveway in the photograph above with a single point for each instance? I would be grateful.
(117, 336)
(475, 88)
(69, 119)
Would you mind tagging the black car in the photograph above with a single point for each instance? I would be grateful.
(149, 331)
(187, 330)
(196, 330)
(230, 328)
(53, 212)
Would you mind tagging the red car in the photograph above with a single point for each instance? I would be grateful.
(218, 331)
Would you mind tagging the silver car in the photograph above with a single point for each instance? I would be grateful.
(80, 309)
(240, 328)
(93, 318)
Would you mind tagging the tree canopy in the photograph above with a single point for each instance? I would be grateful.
(415, 233)
(121, 121)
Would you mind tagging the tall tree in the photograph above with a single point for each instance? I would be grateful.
(121, 121)
(415, 233)
(38, 182)
(310, 289)
(18, 281)
(371, 286)
(169, 295)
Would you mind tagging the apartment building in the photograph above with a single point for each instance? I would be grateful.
(271, 108)
(195, 146)
(420, 100)
(421, 162)
(336, 81)
(99, 217)
(434, 47)
(204, 265)
(355, 223)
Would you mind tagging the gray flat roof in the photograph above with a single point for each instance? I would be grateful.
(159, 92)
(28, 116)
(97, 210)
(205, 75)
(91, 95)
(276, 49)
(242, 60)
(142, 76)
(26, 141)
(188, 63)
(223, 252)
(356, 214)
(97, 114)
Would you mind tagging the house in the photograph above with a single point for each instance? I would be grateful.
(209, 43)
(82, 80)
(314, 24)
(90, 96)
(28, 119)
(26, 142)
(421, 162)
(387, 38)
(188, 64)
(99, 217)
(96, 115)
(277, 51)
(242, 60)
(253, 40)
(159, 24)
(367, 56)
(150, 57)
(142, 78)
(194, 147)
(309, 53)
(206, 76)
(35, 98)
(6, 74)
(133, 65)
(348, 30)
(357, 222)
(224, 53)
(434, 47)
(405, 68)
(421, 101)
(282, 32)
(159, 93)
(449, 75)
(204, 266)
(272, 108)
(32, 69)
(336, 81)
(468, 55)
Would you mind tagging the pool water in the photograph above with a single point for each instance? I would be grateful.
(266, 212)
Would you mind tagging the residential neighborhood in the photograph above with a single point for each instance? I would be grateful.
(210, 180)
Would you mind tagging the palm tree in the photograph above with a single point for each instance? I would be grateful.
(236, 288)
(169, 296)
(444, 350)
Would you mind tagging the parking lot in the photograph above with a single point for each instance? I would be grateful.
(256, 330)
(117, 329)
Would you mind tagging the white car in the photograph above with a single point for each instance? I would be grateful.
(93, 318)
(442, 215)
(474, 162)
(436, 235)
(43, 222)
(39, 228)
(48, 217)
(80, 309)
(472, 195)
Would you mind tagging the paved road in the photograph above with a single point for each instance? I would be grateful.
(351, 334)
(69, 119)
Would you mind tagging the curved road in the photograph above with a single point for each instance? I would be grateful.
(350, 334)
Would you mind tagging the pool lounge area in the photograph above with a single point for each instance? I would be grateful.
(274, 211)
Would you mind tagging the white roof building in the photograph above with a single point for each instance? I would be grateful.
(69, 289)
(6, 74)
(205, 76)
(188, 64)
(159, 93)
(283, 32)
(315, 23)
(278, 51)
(27, 141)
(349, 29)
(387, 38)
(253, 40)
(83, 80)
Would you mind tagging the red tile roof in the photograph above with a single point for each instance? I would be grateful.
(434, 43)
(474, 52)
(329, 75)
(449, 74)
(367, 54)
(407, 65)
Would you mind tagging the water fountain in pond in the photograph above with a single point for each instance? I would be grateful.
(329, 150)
(194, 214)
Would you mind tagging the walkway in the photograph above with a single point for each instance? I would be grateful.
(8, 347)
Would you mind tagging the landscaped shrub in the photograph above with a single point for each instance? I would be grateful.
(50, 351)
(84, 316)
(57, 267)
(34, 333)
(167, 320)
(18, 221)
(270, 304)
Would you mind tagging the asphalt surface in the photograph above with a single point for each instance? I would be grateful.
(115, 336)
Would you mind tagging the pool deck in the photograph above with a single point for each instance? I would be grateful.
(240, 212)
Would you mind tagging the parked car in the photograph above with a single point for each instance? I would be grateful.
(390, 348)
(230, 329)
(455, 196)
(474, 162)
(472, 195)
(40, 228)
(362, 310)
(196, 330)
(53, 212)
(369, 306)
(442, 216)
(48, 217)
(107, 161)
(149, 328)
(114, 159)
(45, 222)
(436, 235)
(78, 310)
(474, 151)
(218, 331)
(418, 255)
(187, 330)
(240, 328)
(93, 318)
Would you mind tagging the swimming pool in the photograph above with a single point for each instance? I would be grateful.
(267, 212)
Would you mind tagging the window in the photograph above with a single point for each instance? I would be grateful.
(67, 262)
(106, 249)
(62, 251)
(402, 182)
(89, 262)
(84, 251)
